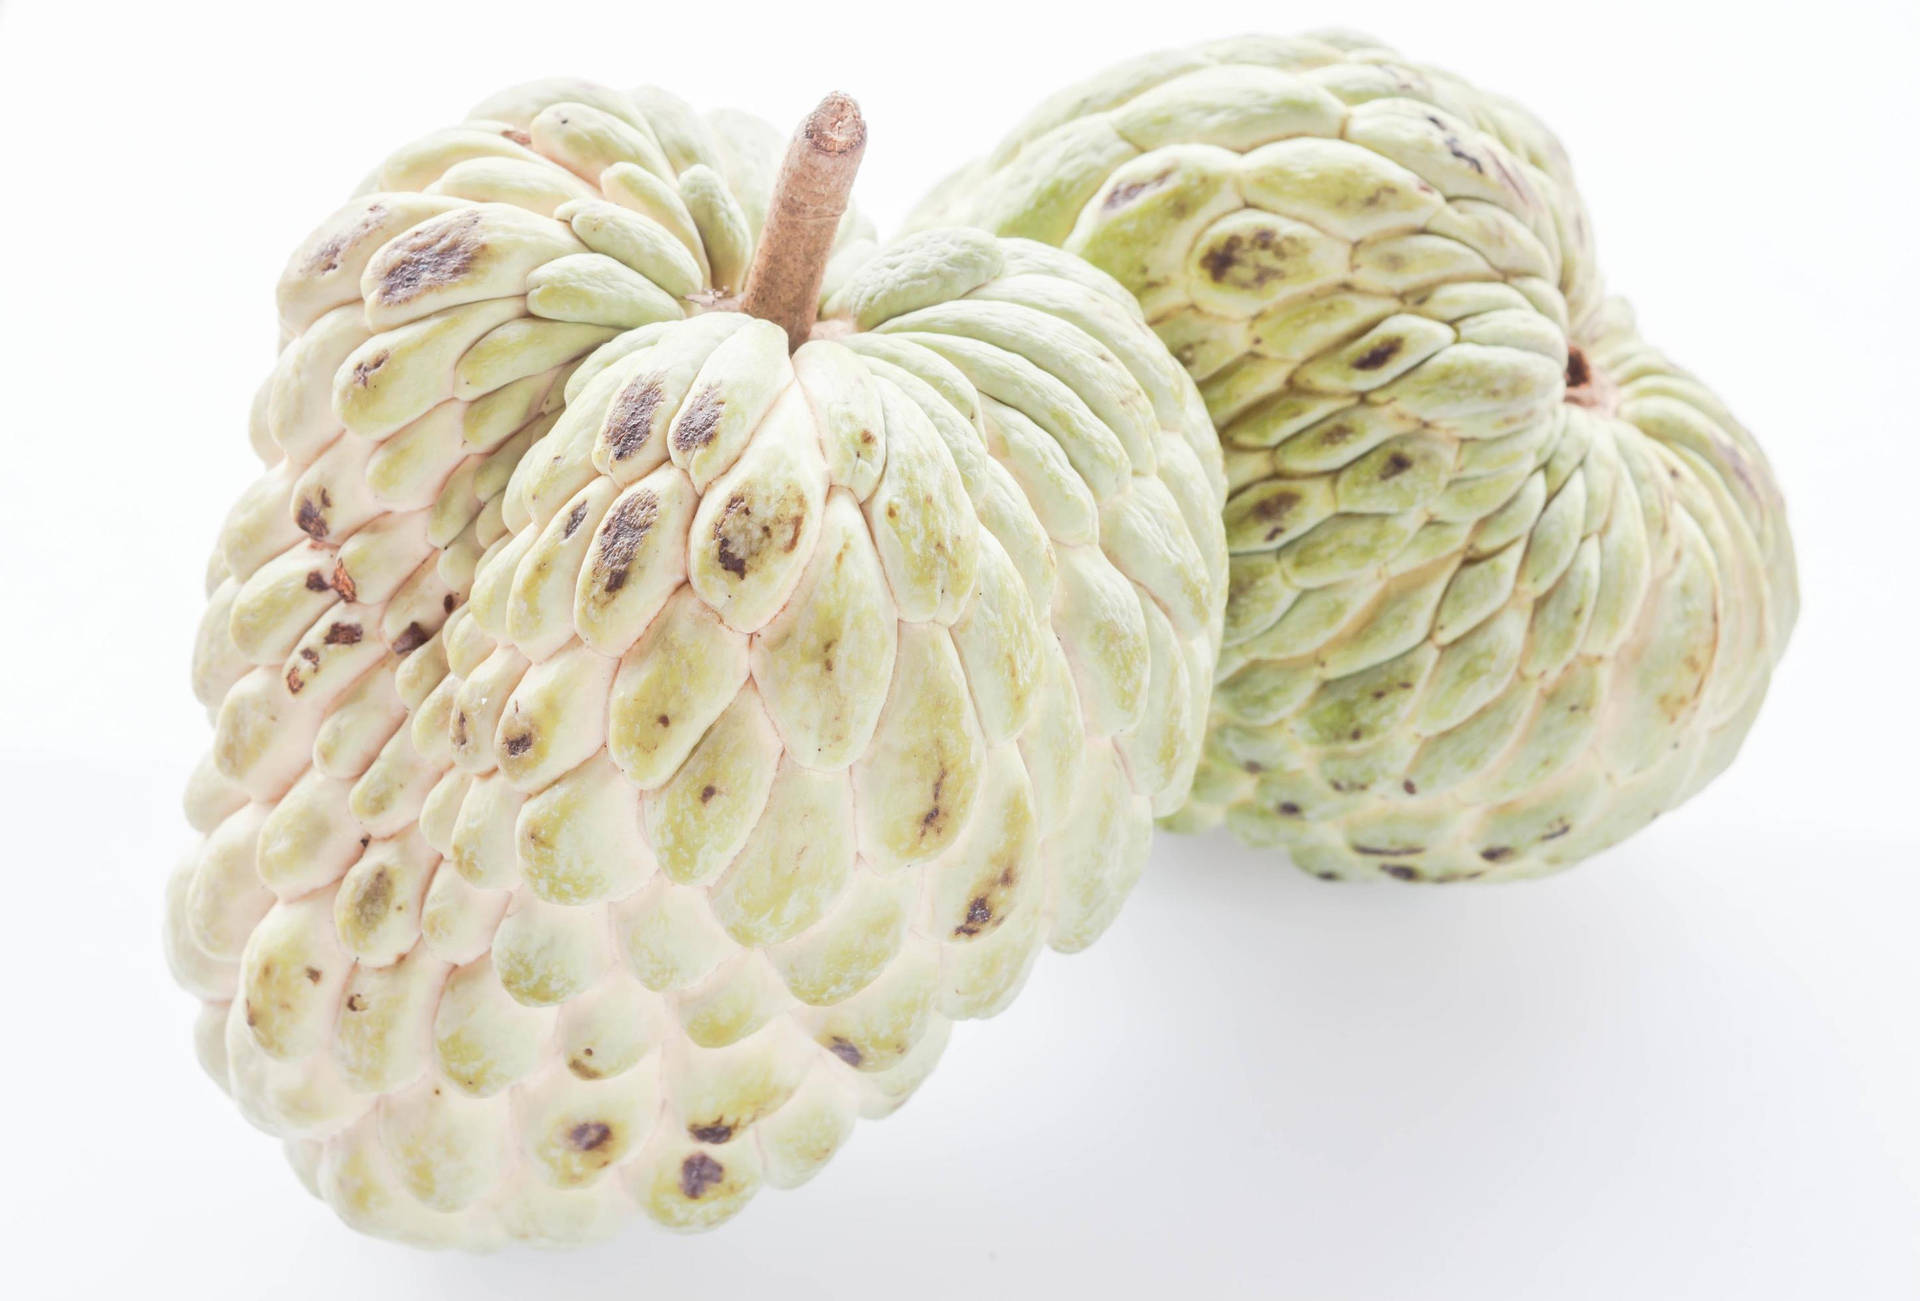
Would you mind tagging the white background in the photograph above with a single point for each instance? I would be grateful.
(1687, 1070)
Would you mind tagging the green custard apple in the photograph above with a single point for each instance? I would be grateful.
(637, 738)
(1505, 582)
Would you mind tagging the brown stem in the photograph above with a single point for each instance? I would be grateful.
(809, 198)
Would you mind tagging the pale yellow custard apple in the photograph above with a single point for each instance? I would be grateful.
(802, 695)
(1506, 583)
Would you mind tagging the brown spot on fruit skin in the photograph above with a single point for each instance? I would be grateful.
(1276, 510)
(1228, 257)
(295, 683)
(1121, 195)
(718, 1132)
(370, 905)
(342, 634)
(308, 516)
(1401, 872)
(356, 1003)
(1409, 787)
(931, 818)
(313, 975)
(723, 549)
(1398, 463)
(583, 1069)
(707, 793)
(317, 582)
(698, 420)
(698, 1173)
(327, 257)
(343, 582)
(519, 743)
(620, 537)
(1278, 506)
(1496, 854)
(741, 534)
(411, 637)
(1453, 146)
(589, 1136)
(979, 913)
(363, 371)
(1287, 809)
(980, 909)
(574, 516)
(1377, 851)
(429, 256)
(845, 1050)
(1378, 355)
(1335, 433)
(1579, 374)
(631, 417)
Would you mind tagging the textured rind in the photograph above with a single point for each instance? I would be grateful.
(1484, 620)
(428, 330)
(758, 726)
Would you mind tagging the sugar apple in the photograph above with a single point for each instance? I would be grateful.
(800, 695)
(1506, 583)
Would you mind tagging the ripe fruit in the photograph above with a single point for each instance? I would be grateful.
(799, 697)
(1506, 583)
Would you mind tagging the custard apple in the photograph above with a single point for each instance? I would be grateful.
(799, 698)
(1505, 582)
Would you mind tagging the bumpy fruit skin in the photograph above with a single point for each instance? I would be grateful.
(428, 331)
(798, 701)
(1506, 583)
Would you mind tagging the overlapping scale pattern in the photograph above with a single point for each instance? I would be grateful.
(806, 699)
(1506, 583)
(428, 332)
(756, 716)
